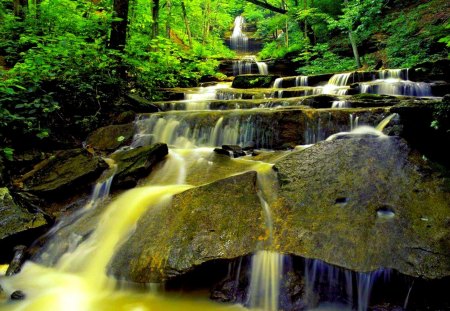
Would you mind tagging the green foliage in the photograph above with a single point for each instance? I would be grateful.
(414, 35)
(8, 153)
(319, 59)
(441, 116)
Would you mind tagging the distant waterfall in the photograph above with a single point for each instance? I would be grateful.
(238, 40)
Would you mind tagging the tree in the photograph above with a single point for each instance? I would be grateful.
(119, 25)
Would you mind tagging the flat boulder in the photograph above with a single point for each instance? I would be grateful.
(363, 203)
(136, 163)
(111, 137)
(200, 225)
(62, 173)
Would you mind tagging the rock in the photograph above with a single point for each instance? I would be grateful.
(111, 137)
(197, 229)
(17, 225)
(17, 261)
(440, 88)
(233, 151)
(253, 81)
(320, 101)
(62, 173)
(125, 117)
(430, 71)
(3, 174)
(331, 202)
(18, 295)
(139, 104)
(136, 163)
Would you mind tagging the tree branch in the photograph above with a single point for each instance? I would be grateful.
(267, 6)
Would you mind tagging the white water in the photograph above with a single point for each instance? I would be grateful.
(337, 84)
(238, 40)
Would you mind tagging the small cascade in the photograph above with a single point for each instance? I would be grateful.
(278, 83)
(265, 281)
(396, 82)
(336, 285)
(301, 81)
(248, 65)
(340, 104)
(266, 266)
(337, 84)
(386, 121)
(354, 121)
(238, 40)
(189, 131)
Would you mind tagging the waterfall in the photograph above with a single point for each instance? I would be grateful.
(238, 40)
(266, 273)
(278, 83)
(301, 81)
(337, 84)
(247, 64)
(330, 282)
(193, 130)
(266, 266)
(396, 82)
(340, 104)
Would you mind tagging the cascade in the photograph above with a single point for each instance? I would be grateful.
(340, 104)
(239, 41)
(395, 82)
(337, 285)
(189, 131)
(337, 84)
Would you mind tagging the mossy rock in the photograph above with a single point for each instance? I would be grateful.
(136, 163)
(14, 219)
(363, 203)
(253, 81)
(62, 173)
(17, 224)
(111, 137)
(200, 225)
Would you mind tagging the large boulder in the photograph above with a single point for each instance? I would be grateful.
(136, 163)
(17, 224)
(111, 137)
(363, 203)
(200, 225)
(62, 173)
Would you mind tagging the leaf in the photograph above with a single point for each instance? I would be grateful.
(120, 138)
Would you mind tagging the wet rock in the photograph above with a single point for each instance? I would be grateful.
(17, 261)
(233, 151)
(111, 137)
(62, 173)
(139, 104)
(17, 224)
(429, 71)
(18, 295)
(366, 174)
(320, 101)
(253, 81)
(136, 163)
(440, 88)
(197, 229)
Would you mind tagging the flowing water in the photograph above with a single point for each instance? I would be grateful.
(70, 272)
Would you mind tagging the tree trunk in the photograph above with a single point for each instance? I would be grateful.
(186, 22)
(354, 48)
(155, 17)
(169, 17)
(118, 37)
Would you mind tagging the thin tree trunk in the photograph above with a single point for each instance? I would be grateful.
(169, 17)
(354, 48)
(155, 17)
(118, 37)
(186, 22)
